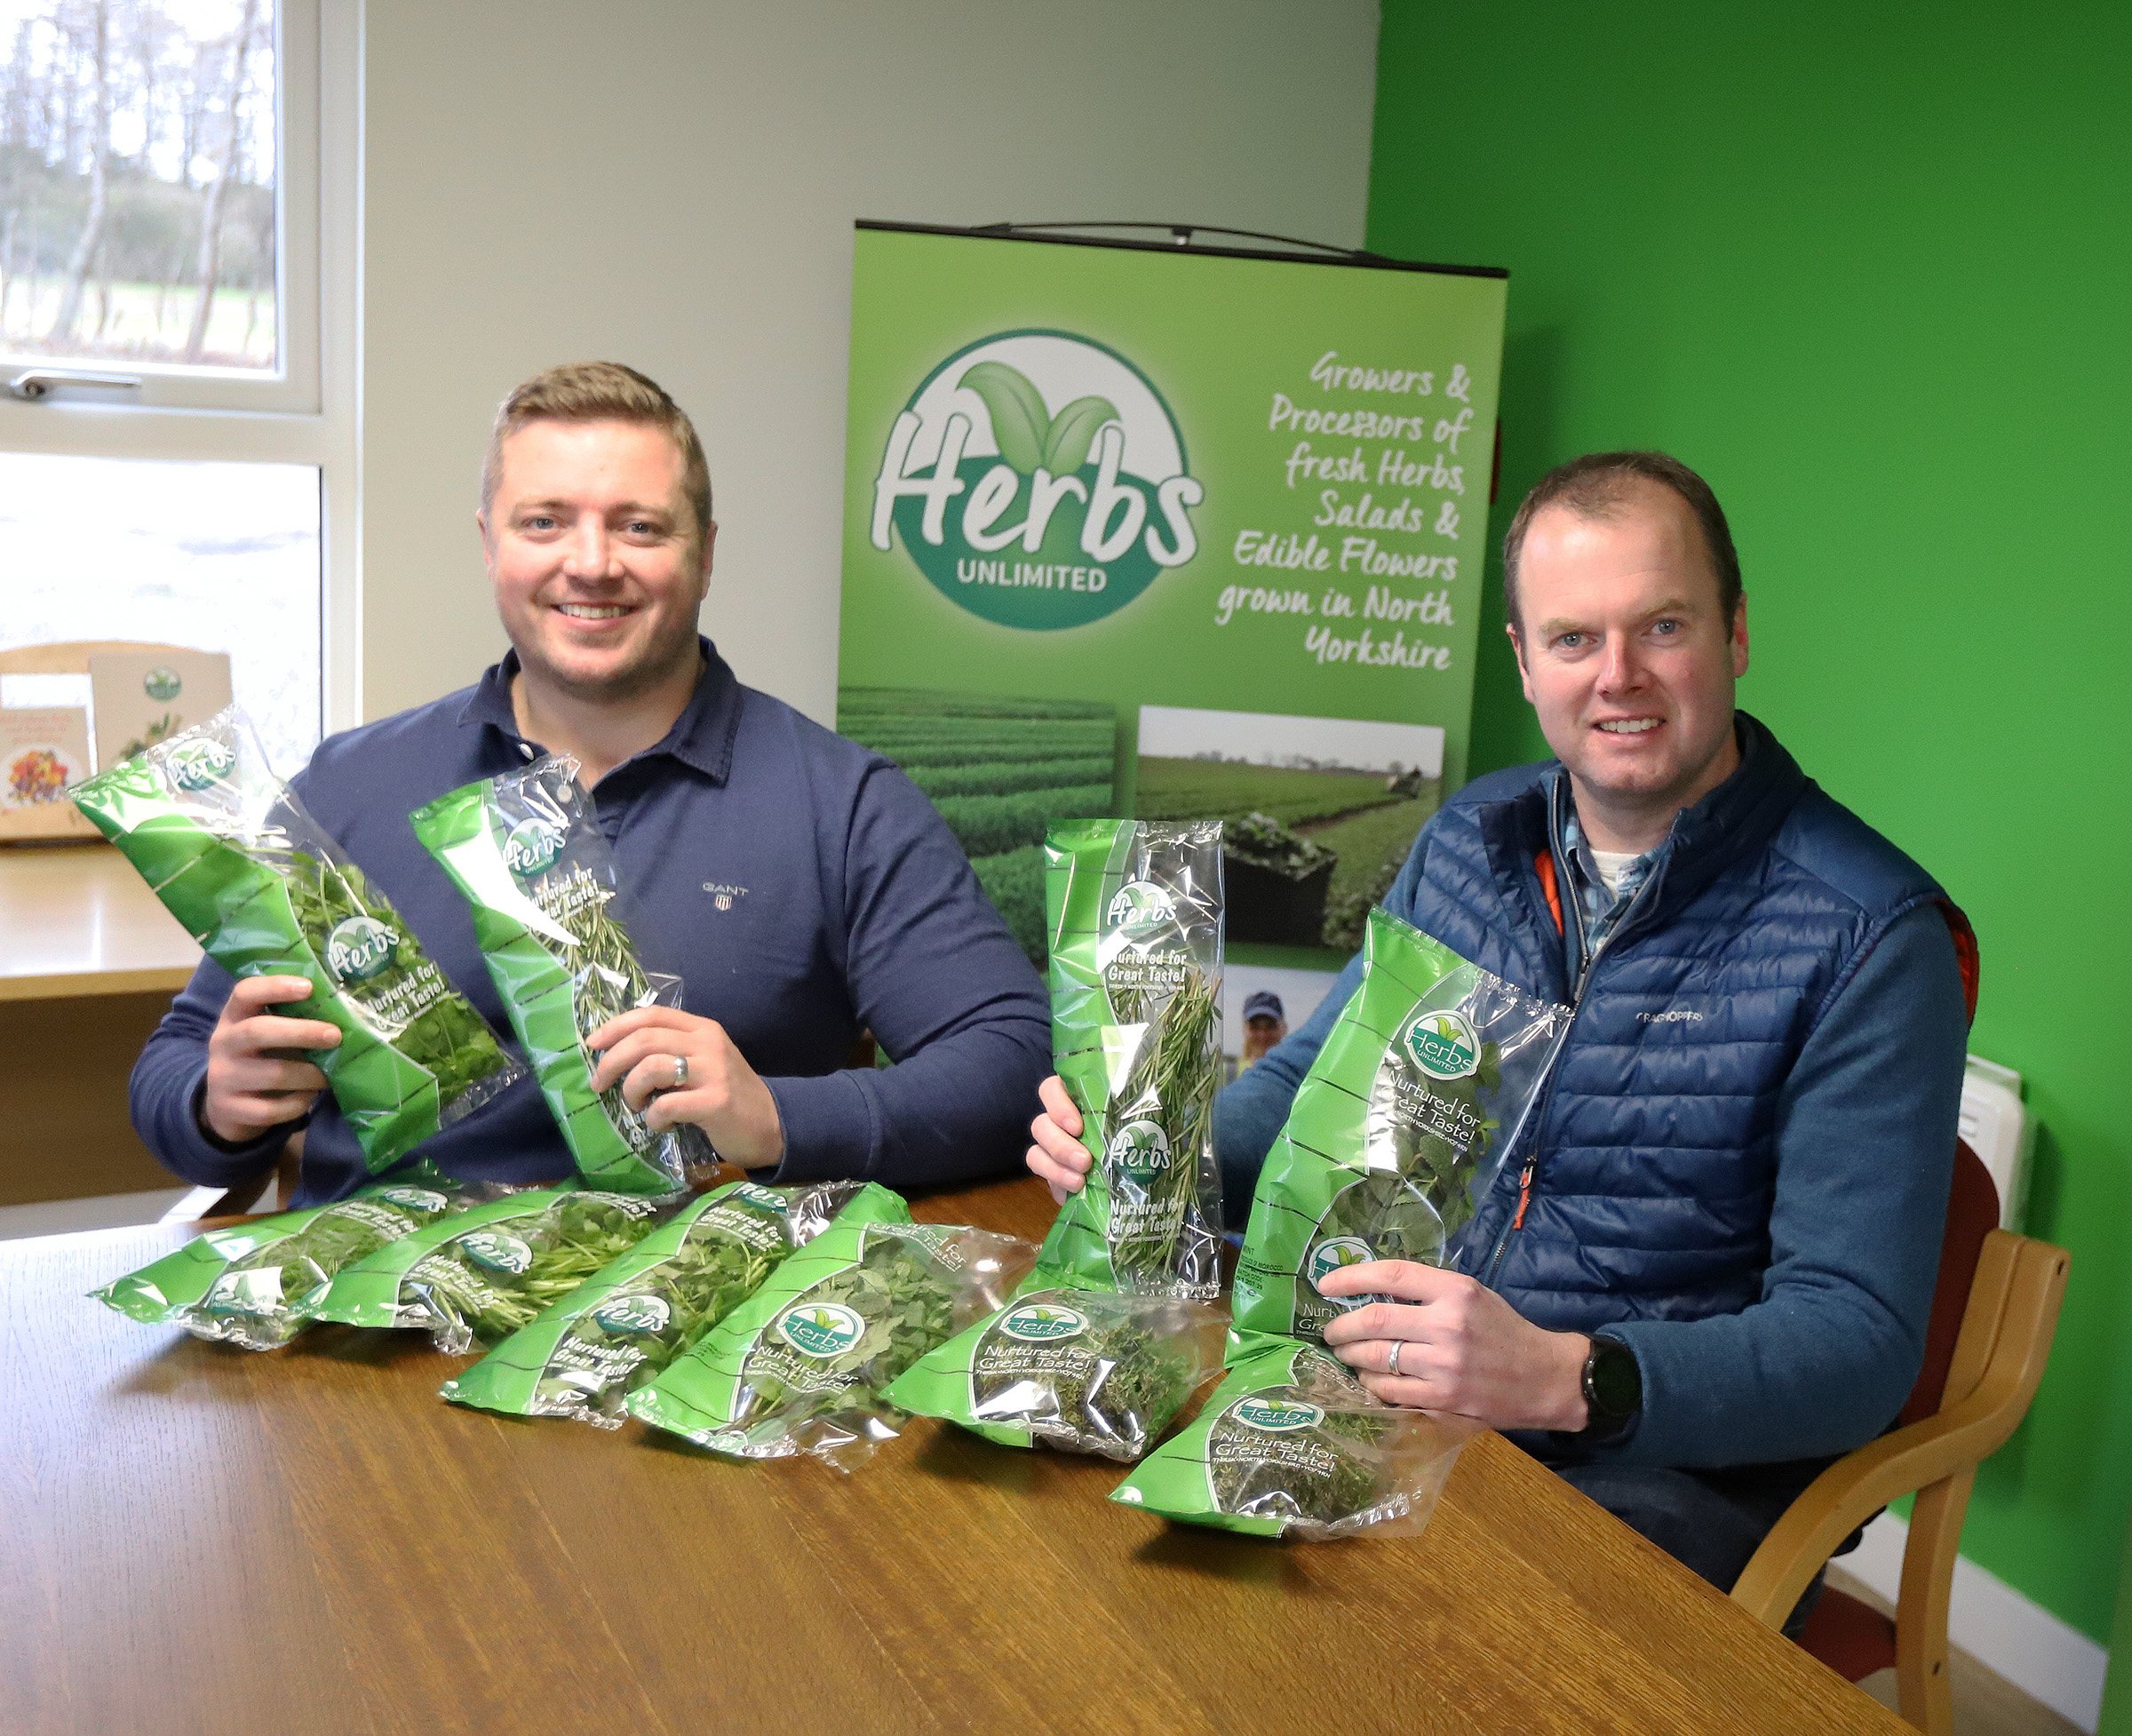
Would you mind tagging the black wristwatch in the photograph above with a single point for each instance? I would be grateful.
(1613, 1389)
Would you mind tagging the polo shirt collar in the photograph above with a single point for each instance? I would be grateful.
(701, 738)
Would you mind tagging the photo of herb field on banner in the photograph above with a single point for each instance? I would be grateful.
(1000, 771)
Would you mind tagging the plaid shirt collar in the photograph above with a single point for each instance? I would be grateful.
(1603, 910)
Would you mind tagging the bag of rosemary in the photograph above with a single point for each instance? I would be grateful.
(248, 1284)
(526, 850)
(1088, 1371)
(1397, 1130)
(1135, 918)
(1291, 1444)
(588, 1353)
(233, 855)
(801, 1365)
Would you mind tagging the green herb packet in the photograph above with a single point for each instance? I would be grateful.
(377, 1290)
(586, 1354)
(1135, 918)
(1086, 1371)
(527, 851)
(234, 856)
(800, 1366)
(1393, 1136)
(1291, 1444)
(246, 1283)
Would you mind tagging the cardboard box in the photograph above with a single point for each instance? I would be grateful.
(143, 698)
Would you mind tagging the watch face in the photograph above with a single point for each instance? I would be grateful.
(1613, 1383)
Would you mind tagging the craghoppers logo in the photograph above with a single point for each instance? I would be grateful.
(359, 948)
(497, 1251)
(1038, 479)
(531, 849)
(1138, 1148)
(1276, 1416)
(628, 1316)
(1443, 1045)
(198, 764)
(821, 1329)
(1140, 907)
(1042, 1322)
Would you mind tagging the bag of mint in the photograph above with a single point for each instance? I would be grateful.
(233, 855)
(527, 851)
(589, 1351)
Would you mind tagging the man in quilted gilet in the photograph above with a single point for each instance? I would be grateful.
(1708, 1270)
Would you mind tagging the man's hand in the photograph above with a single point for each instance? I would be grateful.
(1463, 1348)
(1058, 1156)
(724, 1095)
(257, 1077)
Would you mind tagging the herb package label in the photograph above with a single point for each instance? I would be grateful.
(586, 1354)
(1088, 1371)
(376, 1291)
(234, 856)
(1135, 918)
(1403, 1121)
(1291, 1444)
(800, 1366)
(527, 851)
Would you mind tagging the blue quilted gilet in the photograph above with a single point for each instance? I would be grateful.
(1653, 1144)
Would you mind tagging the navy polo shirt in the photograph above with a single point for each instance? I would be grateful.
(801, 885)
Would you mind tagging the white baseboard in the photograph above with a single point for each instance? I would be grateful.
(2040, 1655)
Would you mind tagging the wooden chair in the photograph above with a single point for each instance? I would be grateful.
(1993, 1312)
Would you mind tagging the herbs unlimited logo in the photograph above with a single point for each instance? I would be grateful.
(1276, 1416)
(418, 1199)
(1038, 479)
(627, 1316)
(198, 764)
(1042, 1322)
(1138, 1148)
(1443, 1045)
(531, 849)
(1331, 1256)
(821, 1329)
(1139, 907)
(359, 949)
(497, 1251)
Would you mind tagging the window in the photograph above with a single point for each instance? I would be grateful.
(178, 207)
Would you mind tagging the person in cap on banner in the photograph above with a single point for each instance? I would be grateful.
(1265, 1023)
(800, 885)
(1708, 1270)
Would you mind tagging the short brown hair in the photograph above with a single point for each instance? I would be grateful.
(1598, 485)
(600, 392)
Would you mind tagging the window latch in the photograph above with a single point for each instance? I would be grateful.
(31, 386)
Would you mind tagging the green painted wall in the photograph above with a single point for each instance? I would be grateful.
(1870, 269)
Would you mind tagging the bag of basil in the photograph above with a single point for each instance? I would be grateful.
(1402, 1125)
(585, 1355)
(1135, 920)
(800, 1366)
(527, 851)
(1088, 1371)
(247, 1283)
(233, 855)
(1291, 1444)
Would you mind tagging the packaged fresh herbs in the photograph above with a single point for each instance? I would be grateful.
(800, 1366)
(1291, 1444)
(526, 850)
(1090, 1371)
(234, 856)
(1135, 916)
(379, 1291)
(1396, 1131)
(247, 1283)
(585, 1355)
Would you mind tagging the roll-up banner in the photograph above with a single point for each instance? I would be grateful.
(1170, 532)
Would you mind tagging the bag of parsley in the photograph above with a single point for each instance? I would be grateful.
(1397, 1130)
(1088, 1371)
(527, 851)
(801, 1365)
(1136, 929)
(585, 1355)
(1291, 1444)
(233, 855)
(247, 1283)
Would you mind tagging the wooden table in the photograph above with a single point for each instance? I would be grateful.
(89, 960)
(199, 1539)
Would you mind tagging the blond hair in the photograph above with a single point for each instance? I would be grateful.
(600, 392)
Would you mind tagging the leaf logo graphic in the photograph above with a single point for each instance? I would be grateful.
(1029, 438)
(1444, 1045)
(1043, 1323)
(1330, 1256)
(1276, 1416)
(826, 1329)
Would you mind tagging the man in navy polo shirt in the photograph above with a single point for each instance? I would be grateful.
(801, 887)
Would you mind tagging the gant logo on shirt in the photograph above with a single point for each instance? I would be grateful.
(722, 896)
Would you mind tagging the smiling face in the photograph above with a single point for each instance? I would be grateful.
(1628, 660)
(595, 555)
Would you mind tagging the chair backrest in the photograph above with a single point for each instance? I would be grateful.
(1972, 1214)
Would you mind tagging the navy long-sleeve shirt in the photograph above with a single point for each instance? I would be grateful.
(801, 885)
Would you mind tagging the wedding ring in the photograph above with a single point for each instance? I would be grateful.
(681, 1071)
(1391, 1363)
